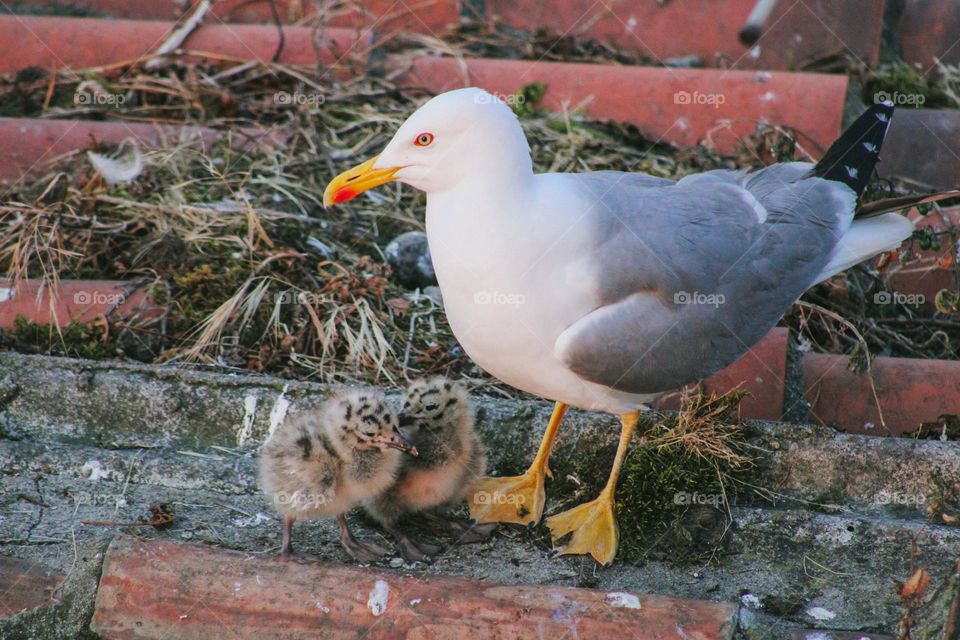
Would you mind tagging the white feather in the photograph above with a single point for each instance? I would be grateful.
(118, 170)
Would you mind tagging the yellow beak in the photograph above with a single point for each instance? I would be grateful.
(352, 182)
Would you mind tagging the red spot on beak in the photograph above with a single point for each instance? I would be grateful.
(344, 194)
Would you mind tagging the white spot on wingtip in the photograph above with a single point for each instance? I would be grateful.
(622, 600)
(869, 146)
(377, 600)
(882, 117)
(852, 171)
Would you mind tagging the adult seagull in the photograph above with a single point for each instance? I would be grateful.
(601, 290)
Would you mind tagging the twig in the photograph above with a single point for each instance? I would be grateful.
(179, 34)
(866, 350)
(276, 20)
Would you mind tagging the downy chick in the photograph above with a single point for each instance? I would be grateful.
(437, 417)
(322, 463)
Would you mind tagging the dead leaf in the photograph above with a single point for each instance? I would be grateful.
(916, 585)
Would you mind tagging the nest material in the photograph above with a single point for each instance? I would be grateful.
(255, 274)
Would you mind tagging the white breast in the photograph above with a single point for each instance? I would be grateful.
(511, 284)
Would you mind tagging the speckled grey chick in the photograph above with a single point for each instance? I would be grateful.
(437, 417)
(322, 463)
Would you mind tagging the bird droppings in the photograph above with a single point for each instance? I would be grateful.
(377, 600)
(249, 413)
(622, 599)
(94, 470)
(819, 613)
(5, 293)
(279, 411)
(567, 613)
(415, 602)
(252, 521)
(751, 601)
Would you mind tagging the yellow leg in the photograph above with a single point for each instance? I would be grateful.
(517, 499)
(593, 523)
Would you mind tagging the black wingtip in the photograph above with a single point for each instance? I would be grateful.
(853, 156)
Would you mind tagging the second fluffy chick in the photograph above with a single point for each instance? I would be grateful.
(437, 417)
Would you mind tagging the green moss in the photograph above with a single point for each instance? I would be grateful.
(525, 101)
(77, 340)
(906, 86)
(199, 289)
(670, 503)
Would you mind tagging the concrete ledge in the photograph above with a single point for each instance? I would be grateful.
(173, 411)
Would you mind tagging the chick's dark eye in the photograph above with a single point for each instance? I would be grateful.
(433, 406)
(423, 140)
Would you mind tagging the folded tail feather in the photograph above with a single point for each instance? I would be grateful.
(865, 239)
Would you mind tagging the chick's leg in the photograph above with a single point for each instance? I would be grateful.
(358, 550)
(466, 532)
(593, 523)
(411, 548)
(517, 499)
(286, 547)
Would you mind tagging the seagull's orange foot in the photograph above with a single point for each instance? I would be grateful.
(594, 529)
(516, 499)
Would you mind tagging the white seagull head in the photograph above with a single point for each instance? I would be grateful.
(457, 136)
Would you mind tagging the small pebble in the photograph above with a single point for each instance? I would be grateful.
(396, 563)
(684, 62)
(434, 294)
(322, 248)
(409, 257)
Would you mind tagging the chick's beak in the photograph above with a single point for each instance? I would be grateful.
(397, 441)
(352, 182)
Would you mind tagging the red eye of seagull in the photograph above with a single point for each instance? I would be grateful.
(423, 140)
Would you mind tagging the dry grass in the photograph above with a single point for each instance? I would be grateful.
(225, 230)
(706, 426)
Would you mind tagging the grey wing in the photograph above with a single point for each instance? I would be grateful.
(690, 276)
